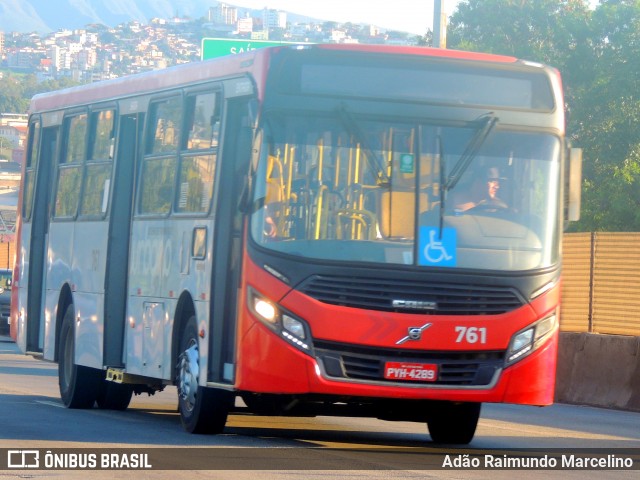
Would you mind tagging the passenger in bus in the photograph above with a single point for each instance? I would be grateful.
(483, 192)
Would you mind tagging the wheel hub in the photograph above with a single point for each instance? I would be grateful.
(188, 371)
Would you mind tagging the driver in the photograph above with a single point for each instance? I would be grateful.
(483, 192)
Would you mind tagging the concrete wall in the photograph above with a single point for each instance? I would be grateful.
(599, 370)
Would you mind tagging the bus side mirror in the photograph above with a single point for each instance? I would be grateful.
(575, 184)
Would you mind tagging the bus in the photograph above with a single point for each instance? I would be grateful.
(290, 231)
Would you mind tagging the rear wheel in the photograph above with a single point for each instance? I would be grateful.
(454, 423)
(78, 384)
(202, 409)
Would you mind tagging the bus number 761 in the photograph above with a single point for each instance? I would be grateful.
(471, 334)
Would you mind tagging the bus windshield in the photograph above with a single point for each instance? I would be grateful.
(340, 188)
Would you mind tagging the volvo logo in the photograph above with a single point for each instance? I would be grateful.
(414, 304)
(415, 333)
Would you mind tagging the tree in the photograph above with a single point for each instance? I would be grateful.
(12, 95)
(16, 90)
(606, 120)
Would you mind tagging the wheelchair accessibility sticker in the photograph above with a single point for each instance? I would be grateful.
(436, 250)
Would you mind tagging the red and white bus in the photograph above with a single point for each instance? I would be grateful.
(337, 230)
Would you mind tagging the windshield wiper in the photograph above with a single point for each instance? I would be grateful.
(353, 128)
(486, 124)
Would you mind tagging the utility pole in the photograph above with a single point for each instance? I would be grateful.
(439, 24)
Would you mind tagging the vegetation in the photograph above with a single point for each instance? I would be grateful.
(17, 89)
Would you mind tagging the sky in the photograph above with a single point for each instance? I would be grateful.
(413, 16)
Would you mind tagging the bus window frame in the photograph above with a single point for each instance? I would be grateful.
(61, 166)
(147, 153)
(184, 152)
(92, 123)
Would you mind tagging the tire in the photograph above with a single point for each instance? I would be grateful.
(114, 396)
(78, 384)
(202, 409)
(454, 423)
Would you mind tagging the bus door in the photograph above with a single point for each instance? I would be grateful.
(115, 288)
(228, 239)
(39, 233)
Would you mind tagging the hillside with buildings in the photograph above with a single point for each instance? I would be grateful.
(97, 52)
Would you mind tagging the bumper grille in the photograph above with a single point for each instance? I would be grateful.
(418, 296)
(366, 363)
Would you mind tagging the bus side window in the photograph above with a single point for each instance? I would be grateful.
(203, 121)
(160, 161)
(70, 167)
(198, 159)
(97, 176)
(166, 118)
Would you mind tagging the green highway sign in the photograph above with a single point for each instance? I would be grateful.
(219, 47)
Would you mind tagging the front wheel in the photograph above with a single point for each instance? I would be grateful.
(202, 409)
(454, 423)
(78, 384)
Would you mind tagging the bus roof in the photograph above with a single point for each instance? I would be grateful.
(148, 82)
(220, 68)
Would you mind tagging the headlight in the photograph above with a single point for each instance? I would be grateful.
(286, 325)
(528, 340)
(265, 310)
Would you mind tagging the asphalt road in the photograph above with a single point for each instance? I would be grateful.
(33, 418)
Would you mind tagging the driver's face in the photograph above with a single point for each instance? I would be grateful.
(493, 186)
